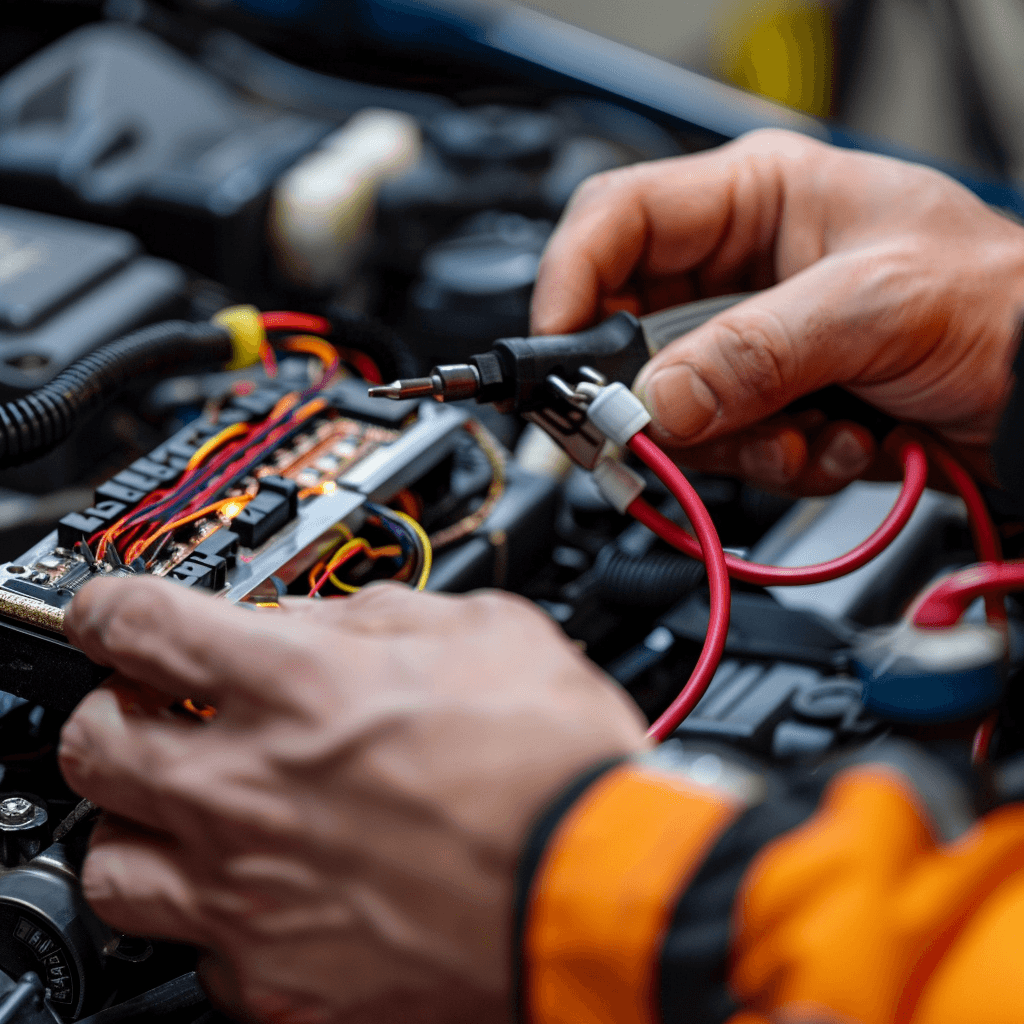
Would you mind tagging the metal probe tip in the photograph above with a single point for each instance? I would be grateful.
(415, 387)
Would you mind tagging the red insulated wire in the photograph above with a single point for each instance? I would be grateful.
(983, 739)
(362, 364)
(710, 548)
(946, 602)
(986, 536)
(915, 474)
(284, 320)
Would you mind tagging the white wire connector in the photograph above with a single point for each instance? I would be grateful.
(618, 483)
(618, 413)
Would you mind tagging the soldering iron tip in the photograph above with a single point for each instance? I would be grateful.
(417, 387)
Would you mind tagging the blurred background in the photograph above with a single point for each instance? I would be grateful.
(939, 76)
(397, 166)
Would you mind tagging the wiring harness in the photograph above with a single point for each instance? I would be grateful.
(227, 472)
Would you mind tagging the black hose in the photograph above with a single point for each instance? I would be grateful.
(392, 355)
(660, 577)
(35, 424)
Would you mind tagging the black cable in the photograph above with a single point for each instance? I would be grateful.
(659, 577)
(36, 423)
(178, 994)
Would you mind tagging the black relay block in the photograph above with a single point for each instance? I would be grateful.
(66, 288)
(222, 544)
(262, 518)
(201, 570)
(81, 525)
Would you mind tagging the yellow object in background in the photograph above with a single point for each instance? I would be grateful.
(782, 51)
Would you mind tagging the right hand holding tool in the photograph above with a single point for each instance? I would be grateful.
(885, 277)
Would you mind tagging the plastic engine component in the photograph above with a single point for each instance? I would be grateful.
(931, 675)
(69, 287)
(111, 124)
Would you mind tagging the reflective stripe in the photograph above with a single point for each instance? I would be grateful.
(605, 891)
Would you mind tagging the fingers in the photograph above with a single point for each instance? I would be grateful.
(184, 643)
(136, 883)
(717, 211)
(787, 456)
(121, 759)
(385, 608)
(819, 327)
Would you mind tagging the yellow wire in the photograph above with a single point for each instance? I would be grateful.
(215, 442)
(342, 553)
(389, 551)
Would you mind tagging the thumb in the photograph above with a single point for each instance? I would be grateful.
(755, 358)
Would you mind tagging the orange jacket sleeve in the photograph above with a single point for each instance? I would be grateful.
(685, 886)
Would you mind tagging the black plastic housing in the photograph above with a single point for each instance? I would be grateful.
(68, 287)
(616, 348)
(114, 126)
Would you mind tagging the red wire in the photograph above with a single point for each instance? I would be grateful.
(331, 569)
(915, 474)
(309, 323)
(306, 323)
(946, 602)
(983, 739)
(986, 536)
(710, 547)
(363, 364)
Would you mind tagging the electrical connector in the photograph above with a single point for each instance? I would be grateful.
(245, 327)
(619, 484)
(618, 413)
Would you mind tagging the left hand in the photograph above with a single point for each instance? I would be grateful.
(340, 840)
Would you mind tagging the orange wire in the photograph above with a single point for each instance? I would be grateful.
(140, 545)
(313, 346)
(213, 443)
(408, 502)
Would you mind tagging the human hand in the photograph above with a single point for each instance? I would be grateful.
(885, 277)
(340, 839)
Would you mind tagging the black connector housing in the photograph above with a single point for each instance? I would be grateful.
(262, 518)
(518, 368)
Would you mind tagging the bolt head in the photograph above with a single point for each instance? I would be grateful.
(15, 810)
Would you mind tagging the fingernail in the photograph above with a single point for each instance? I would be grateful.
(845, 456)
(679, 401)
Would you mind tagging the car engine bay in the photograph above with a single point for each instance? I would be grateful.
(209, 250)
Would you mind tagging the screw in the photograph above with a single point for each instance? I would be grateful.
(16, 810)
